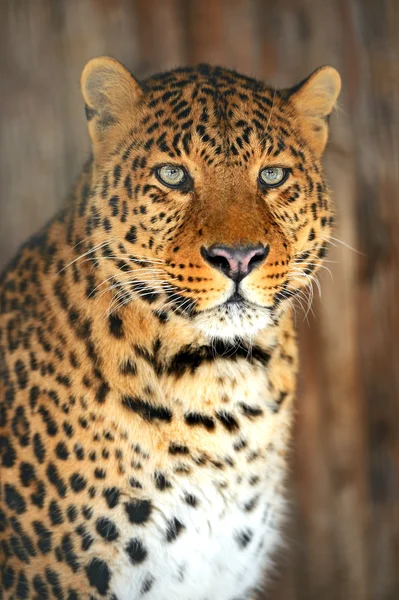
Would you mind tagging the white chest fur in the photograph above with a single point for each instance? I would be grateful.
(210, 534)
(220, 552)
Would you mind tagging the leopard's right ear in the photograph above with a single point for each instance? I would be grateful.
(314, 99)
(111, 97)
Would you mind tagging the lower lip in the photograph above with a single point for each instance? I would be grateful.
(235, 299)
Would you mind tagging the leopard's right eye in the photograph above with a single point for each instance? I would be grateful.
(273, 177)
(171, 175)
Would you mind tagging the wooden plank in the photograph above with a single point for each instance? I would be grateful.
(343, 537)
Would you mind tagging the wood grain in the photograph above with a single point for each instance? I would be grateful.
(343, 538)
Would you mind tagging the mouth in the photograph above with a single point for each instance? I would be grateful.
(235, 318)
(235, 298)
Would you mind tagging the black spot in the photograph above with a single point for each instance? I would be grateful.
(87, 539)
(131, 235)
(55, 479)
(147, 411)
(26, 473)
(51, 426)
(250, 505)
(78, 482)
(194, 419)
(173, 530)
(79, 452)
(68, 429)
(114, 203)
(251, 411)
(98, 575)
(21, 373)
(23, 538)
(8, 577)
(7, 452)
(322, 253)
(112, 496)
(128, 368)
(41, 588)
(161, 482)
(72, 513)
(282, 397)
(20, 426)
(70, 556)
(190, 499)
(14, 500)
(117, 174)
(64, 380)
(243, 537)
(134, 483)
(107, 529)
(18, 549)
(115, 326)
(39, 496)
(3, 520)
(136, 551)
(22, 591)
(55, 513)
(61, 451)
(44, 542)
(161, 315)
(190, 358)
(102, 392)
(138, 511)
(33, 396)
(87, 512)
(227, 420)
(175, 448)
(147, 584)
(145, 292)
(99, 473)
(54, 580)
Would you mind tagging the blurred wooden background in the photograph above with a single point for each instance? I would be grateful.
(343, 540)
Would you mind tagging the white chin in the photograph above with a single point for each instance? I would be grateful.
(231, 321)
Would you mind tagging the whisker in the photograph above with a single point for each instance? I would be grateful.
(119, 283)
(97, 247)
(310, 264)
(343, 243)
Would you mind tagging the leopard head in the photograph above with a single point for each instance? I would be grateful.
(208, 196)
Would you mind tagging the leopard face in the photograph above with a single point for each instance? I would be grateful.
(208, 197)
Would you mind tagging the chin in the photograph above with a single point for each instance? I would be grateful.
(233, 322)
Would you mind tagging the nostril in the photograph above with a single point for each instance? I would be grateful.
(258, 258)
(219, 262)
(215, 256)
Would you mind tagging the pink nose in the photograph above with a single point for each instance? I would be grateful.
(236, 262)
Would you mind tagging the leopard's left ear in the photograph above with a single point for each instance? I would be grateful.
(314, 99)
(111, 96)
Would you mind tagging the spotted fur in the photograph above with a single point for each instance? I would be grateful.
(145, 420)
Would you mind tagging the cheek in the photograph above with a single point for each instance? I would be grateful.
(196, 281)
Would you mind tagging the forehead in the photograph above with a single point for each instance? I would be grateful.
(216, 107)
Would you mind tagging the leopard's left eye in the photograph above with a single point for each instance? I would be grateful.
(171, 175)
(273, 176)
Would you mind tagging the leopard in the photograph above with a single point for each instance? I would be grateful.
(148, 349)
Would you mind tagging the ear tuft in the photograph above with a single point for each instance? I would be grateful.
(110, 93)
(314, 99)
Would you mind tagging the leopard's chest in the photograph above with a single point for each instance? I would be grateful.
(208, 532)
(216, 546)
